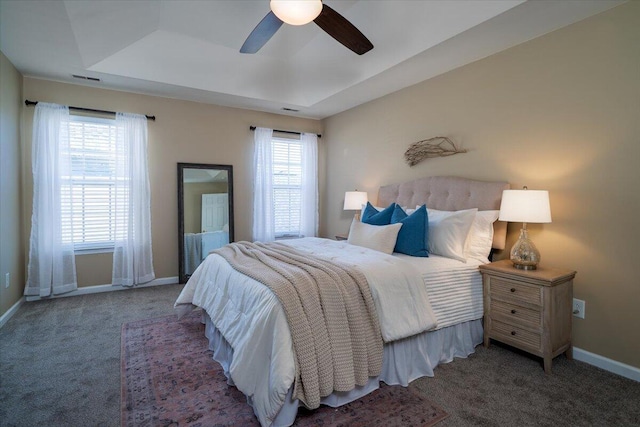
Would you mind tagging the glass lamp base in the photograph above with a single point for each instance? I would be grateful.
(524, 266)
(524, 254)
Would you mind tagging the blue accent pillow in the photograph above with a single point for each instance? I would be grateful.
(373, 217)
(413, 238)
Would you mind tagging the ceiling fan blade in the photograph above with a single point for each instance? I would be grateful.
(261, 33)
(342, 30)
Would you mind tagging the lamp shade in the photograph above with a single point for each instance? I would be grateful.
(296, 12)
(353, 200)
(525, 206)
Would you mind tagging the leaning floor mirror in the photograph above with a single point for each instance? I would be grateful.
(205, 212)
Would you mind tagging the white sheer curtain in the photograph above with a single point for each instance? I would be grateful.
(263, 220)
(132, 257)
(52, 268)
(309, 208)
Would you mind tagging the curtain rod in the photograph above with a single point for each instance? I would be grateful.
(88, 110)
(285, 131)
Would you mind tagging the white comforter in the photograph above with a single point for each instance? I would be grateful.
(252, 320)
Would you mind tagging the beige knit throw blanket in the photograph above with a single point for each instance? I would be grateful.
(330, 311)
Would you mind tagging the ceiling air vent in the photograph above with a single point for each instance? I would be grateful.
(93, 79)
(290, 109)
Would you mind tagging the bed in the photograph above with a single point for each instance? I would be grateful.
(247, 327)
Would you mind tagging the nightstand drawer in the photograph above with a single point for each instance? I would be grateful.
(514, 314)
(516, 336)
(511, 291)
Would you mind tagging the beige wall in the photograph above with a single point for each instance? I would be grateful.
(562, 113)
(183, 132)
(11, 218)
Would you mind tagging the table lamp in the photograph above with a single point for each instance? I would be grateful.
(525, 206)
(353, 200)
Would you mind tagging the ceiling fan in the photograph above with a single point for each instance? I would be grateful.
(300, 12)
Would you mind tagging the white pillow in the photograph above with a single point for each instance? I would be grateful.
(480, 237)
(448, 232)
(377, 237)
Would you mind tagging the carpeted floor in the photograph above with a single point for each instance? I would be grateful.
(170, 379)
(60, 366)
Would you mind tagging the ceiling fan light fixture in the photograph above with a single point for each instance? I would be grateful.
(296, 12)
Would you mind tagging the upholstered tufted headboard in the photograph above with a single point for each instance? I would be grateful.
(449, 193)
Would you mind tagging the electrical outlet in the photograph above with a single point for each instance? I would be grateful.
(578, 308)
(7, 280)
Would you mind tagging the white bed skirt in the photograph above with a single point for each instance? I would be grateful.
(404, 361)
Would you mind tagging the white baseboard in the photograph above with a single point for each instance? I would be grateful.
(109, 288)
(607, 364)
(6, 316)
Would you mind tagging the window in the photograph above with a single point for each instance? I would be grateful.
(92, 145)
(287, 186)
(90, 193)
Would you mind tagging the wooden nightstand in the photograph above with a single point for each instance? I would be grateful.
(528, 309)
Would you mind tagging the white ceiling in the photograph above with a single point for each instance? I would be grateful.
(190, 49)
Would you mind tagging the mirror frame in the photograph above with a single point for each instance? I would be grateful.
(181, 167)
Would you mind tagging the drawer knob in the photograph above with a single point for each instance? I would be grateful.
(513, 312)
(513, 332)
(513, 289)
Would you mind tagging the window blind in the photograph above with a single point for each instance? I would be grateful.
(88, 219)
(287, 186)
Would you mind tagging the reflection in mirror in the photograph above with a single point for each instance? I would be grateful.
(205, 212)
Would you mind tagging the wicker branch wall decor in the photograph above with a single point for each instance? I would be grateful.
(438, 146)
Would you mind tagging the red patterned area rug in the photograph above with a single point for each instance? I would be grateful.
(170, 379)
